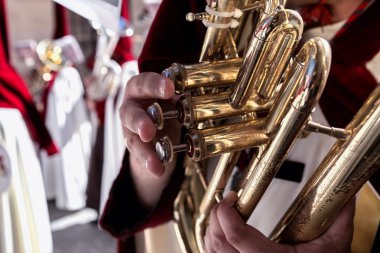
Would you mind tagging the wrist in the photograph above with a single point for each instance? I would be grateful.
(148, 186)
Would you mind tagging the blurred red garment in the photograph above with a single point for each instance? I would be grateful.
(15, 94)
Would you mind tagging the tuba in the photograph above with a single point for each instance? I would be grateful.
(49, 59)
(260, 99)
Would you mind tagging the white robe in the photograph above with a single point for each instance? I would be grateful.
(24, 218)
(67, 119)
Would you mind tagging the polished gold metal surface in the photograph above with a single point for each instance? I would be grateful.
(262, 99)
(219, 40)
(267, 55)
(209, 142)
(367, 219)
(251, 11)
(213, 193)
(196, 109)
(214, 106)
(203, 75)
(347, 167)
(205, 143)
(187, 205)
(301, 91)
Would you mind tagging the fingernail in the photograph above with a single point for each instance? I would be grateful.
(139, 129)
(231, 198)
(162, 88)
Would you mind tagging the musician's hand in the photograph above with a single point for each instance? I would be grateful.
(227, 233)
(149, 173)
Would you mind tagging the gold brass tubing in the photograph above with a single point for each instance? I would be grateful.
(216, 185)
(337, 133)
(186, 205)
(216, 37)
(347, 166)
(267, 55)
(270, 6)
(183, 225)
(311, 64)
(266, 7)
(364, 109)
(253, 13)
(252, 6)
(272, 62)
(303, 100)
(265, 165)
(222, 139)
(247, 21)
(207, 74)
(213, 106)
(229, 49)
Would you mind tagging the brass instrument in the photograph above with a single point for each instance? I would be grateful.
(346, 168)
(50, 56)
(106, 75)
(262, 99)
(50, 60)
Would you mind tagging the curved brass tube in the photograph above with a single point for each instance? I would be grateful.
(345, 169)
(215, 106)
(285, 122)
(191, 110)
(267, 55)
(203, 75)
(204, 143)
(215, 188)
(215, 141)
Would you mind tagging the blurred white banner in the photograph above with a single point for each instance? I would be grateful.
(104, 12)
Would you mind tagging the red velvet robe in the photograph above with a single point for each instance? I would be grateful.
(14, 92)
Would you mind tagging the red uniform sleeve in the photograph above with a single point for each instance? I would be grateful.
(171, 38)
(124, 215)
(167, 42)
(15, 94)
(349, 82)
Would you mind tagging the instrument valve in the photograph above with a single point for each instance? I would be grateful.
(197, 16)
(158, 116)
(166, 150)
